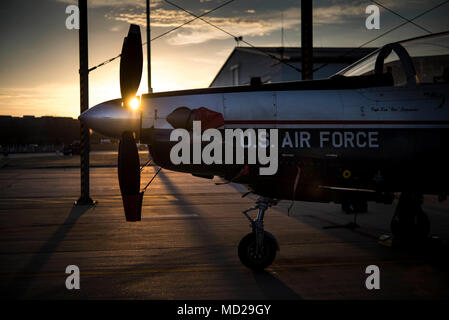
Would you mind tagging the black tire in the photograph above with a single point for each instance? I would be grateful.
(416, 227)
(247, 252)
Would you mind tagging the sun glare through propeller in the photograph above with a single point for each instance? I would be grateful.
(131, 64)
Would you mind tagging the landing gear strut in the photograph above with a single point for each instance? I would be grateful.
(410, 222)
(257, 249)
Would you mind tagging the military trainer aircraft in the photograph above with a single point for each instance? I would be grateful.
(378, 127)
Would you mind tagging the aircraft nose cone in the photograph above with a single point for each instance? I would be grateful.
(111, 119)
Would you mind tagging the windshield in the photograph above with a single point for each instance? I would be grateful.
(362, 67)
(430, 57)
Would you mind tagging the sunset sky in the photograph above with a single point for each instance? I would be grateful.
(39, 56)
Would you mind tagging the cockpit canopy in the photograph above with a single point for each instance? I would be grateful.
(423, 60)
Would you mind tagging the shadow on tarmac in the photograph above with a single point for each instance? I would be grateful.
(23, 279)
(270, 286)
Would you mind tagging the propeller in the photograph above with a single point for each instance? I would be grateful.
(131, 63)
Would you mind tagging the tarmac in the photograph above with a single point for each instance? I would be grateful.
(185, 247)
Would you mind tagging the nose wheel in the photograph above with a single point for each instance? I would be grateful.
(254, 257)
(257, 250)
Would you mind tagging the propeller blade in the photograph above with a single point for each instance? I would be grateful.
(131, 63)
(129, 177)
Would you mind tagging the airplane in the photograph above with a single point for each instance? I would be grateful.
(374, 129)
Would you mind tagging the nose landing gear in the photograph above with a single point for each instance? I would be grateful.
(257, 249)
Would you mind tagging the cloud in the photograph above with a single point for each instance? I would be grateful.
(115, 3)
(247, 22)
(115, 29)
(199, 31)
(246, 25)
(159, 17)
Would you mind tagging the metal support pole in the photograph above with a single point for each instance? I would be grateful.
(84, 105)
(306, 40)
(150, 89)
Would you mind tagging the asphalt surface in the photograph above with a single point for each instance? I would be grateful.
(185, 247)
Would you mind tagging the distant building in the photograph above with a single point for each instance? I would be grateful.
(28, 130)
(245, 63)
(28, 133)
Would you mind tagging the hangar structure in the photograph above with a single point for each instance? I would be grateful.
(245, 63)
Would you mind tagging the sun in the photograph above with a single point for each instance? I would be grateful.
(134, 103)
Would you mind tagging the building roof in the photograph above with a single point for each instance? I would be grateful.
(340, 54)
(293, 54)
